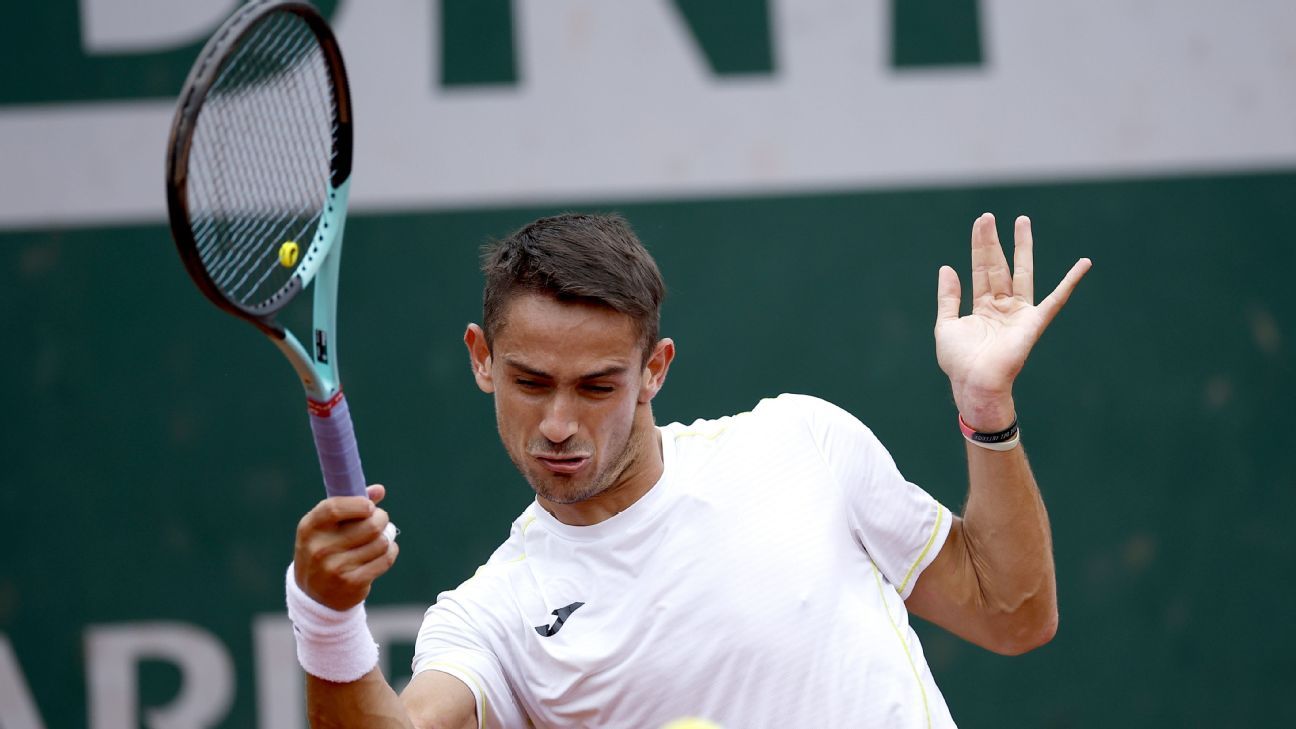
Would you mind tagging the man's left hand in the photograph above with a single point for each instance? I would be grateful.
(983, 351)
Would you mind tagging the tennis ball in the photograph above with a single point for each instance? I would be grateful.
(691, 722)
(288, 254)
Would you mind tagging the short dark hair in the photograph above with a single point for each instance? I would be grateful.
(587, 258)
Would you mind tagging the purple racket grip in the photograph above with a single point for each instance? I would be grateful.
(336, 444)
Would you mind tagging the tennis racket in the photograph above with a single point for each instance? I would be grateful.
(258, 172)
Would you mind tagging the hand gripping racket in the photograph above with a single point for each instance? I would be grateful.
(258, 172)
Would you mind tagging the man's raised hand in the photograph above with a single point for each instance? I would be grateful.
(343, 545)
(982, 352)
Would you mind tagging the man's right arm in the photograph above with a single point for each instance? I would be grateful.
(341, 548)
(368, 702)
(433, 700)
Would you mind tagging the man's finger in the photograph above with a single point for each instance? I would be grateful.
(1053, 303)
(337, 509)
(374, 568)
(990, 274)
(1023, 278)
(948, 294)
(342, 563)
(368, 550)
(360, 532)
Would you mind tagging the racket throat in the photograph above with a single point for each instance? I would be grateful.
(320, 383)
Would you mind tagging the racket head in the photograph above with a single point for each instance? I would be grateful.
(259, 158)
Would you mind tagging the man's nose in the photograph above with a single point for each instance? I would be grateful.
(559, 421)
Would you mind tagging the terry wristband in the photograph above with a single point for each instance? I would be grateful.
(334, 645)
(1005, 440)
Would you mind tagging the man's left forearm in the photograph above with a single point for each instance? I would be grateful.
(1007, 536)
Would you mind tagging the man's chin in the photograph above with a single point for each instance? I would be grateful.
(563, 498)
(564, 493)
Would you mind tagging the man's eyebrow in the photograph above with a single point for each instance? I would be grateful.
(527, 370)
(611, 371)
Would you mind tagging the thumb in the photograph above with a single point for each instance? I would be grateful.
(948, 295)
(376, 492)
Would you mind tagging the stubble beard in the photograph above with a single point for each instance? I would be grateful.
(559, 489)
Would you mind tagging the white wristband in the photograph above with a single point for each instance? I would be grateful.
(331, 644)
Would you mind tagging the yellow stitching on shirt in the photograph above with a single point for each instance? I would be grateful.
(698, 433)
(481, 711)
(526, 525)
(521, 556)
(903, 643)
(940, 519)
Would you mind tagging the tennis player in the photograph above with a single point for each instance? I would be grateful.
(755, 570)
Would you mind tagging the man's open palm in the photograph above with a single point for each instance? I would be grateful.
(983, 351)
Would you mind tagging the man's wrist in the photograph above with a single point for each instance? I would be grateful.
(334, 645)
(987, 414)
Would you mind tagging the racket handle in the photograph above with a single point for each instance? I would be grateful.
(335, 442)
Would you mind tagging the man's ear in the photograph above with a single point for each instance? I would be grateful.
(479, 357)
(655, 370)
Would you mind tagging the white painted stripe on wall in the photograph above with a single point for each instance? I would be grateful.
(615, 103)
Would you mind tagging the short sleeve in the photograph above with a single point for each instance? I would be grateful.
(898, 523)
(451, 641)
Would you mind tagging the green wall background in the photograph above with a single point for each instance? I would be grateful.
(157, 455)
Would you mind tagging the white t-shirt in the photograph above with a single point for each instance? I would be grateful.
(759, 583)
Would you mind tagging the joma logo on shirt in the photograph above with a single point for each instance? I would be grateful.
(560, 615)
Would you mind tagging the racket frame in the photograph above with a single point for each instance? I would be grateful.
(315, 367)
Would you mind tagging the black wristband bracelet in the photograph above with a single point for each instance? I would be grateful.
(1004, 440)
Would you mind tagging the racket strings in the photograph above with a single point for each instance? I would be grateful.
(247, 230)
(245, 87)
(248, 234)
(261, 158)
(234, 84)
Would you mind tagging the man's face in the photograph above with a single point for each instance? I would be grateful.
(571, 395)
